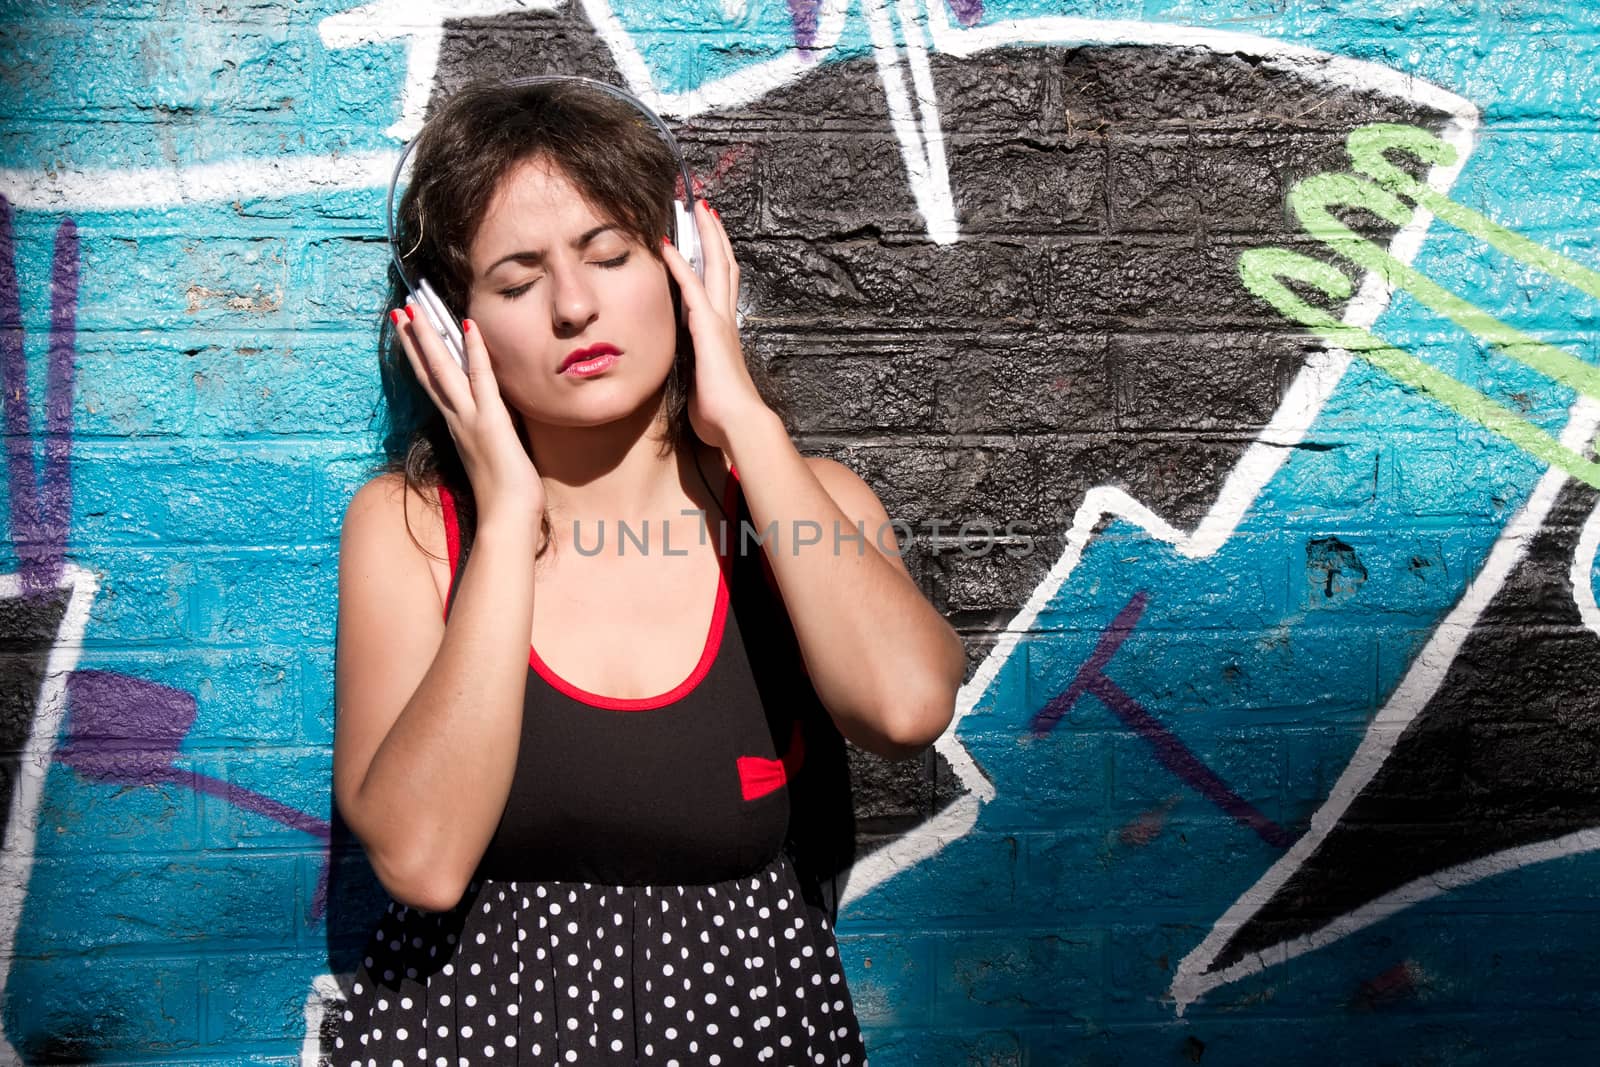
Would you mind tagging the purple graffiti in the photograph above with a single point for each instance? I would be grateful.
(41, 509)
(127, 731)
(1171, 752)
(803, 14)
(967, 12)
(121, 730)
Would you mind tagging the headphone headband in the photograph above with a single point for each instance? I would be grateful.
(548, 79)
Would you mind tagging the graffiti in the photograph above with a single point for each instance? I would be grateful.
(1265, 270)
(1091, 680)
(39, 507)
(112, 729)
(44, 604)
(1126, 282)
(1470, 811)
(1422, 755)
(967, 12)
(804, 14)
(1265, 273)
(1369, 147)
(126, 731)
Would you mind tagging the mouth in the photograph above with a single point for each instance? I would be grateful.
(589, 360)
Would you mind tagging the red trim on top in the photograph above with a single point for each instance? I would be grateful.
(452, 536)
(708, 654)
(759, 776)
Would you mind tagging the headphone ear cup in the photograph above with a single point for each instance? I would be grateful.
(688, 238)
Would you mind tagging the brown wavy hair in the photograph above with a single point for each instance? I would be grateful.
(613, 155)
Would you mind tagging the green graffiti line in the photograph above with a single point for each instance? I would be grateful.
(1311, 200)
(1264, 272)
(1367, 147)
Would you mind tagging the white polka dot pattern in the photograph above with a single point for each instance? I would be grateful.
(738, 972)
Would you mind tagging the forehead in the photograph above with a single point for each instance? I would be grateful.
(535, 206)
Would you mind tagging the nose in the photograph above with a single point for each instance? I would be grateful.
(572, 301)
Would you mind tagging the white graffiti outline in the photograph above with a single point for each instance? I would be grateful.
(420, 23)
(50, 708)
(1260, 462)
(326, 989)
(1421, 681)
(920, 132)
(922, 149)
(1581, 573)
(921, 136)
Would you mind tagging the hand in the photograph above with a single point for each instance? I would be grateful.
(503, 477)
(724, 395)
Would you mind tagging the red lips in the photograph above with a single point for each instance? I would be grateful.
(581, 354)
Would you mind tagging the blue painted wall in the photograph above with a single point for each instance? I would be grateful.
(1325, 793)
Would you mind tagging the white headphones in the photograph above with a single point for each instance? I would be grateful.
(685, 235)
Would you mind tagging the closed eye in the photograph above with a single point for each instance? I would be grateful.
(517, 290)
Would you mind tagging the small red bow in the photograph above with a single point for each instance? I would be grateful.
(759, 776)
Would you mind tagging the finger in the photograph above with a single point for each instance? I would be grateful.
(719, 233)
(714, 251)
(426, 370)
(477, 354)
(491, 406)
(419, 366)
(689, 283)
(447, 374)
(480, 371)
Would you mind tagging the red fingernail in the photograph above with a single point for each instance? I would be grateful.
(466, 325)
(666, 241)
(411, 313)
(394, 316)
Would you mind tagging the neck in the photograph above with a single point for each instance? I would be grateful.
(616, 472)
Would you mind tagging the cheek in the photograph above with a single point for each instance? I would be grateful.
(653, 298)
(504, 331)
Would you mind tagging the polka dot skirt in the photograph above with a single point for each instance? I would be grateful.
(738, 972)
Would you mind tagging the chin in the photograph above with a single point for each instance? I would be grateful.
(592, 410)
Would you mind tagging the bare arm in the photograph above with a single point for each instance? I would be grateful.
(885, 664)
(883, 661)
(429, 715)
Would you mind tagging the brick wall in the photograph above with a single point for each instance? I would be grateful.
(1279, 740)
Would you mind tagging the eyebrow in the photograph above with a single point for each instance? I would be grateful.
(533, 259)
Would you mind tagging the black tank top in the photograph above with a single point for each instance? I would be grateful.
(688, 787)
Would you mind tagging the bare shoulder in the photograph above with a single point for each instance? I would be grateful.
(386, 500)
(391, 618)
(390, 525)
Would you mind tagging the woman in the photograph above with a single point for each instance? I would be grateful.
(587, 836)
